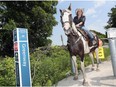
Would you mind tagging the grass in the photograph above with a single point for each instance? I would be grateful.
(54, 65)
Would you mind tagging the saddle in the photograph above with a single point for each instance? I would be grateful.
(87, 38)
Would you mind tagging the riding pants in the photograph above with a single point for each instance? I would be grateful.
(89, 33)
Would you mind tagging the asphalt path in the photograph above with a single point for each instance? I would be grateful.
(102, 78)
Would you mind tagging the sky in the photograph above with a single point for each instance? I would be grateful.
(96, 12)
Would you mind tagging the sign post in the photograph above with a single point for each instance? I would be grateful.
(22, 59)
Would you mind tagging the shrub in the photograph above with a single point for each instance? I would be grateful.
(7, 72)
(50, 65)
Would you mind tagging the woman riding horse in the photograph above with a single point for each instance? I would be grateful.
(77, 45)
(79, 21)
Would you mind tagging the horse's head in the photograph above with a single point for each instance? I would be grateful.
(66, 20)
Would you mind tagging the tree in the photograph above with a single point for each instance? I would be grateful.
(36, 16)
(112, 19)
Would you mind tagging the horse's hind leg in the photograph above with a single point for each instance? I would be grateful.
(75, 67)
(97, 58)
(92, 59)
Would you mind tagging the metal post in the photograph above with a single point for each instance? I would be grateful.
(111, 34)
(72, 65)
(112, 45)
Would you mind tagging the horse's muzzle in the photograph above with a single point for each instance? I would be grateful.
(66, 26)
(68, 31)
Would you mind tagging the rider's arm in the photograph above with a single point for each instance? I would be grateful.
(79, 24)
(82, 21)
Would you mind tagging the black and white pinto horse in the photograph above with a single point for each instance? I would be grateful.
(77, 45)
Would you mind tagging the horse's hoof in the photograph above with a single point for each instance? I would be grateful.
(92, 69)
(86, 83)
(75, 78)
(97, 70)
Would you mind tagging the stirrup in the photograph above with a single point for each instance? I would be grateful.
(93, 42)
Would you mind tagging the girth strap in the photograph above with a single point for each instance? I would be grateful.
(78, 39)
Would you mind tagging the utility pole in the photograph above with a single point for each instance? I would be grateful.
(62, 40)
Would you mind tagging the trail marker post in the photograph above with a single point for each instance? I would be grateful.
(22, 59)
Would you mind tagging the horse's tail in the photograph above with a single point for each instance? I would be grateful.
(97, 40)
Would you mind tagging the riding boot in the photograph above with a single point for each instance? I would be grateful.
(92, 38)
(93, 42)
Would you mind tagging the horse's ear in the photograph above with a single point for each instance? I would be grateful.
(69, 7)
(60, 11)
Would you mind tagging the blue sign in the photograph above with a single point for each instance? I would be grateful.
(22, 59)
(22, 35)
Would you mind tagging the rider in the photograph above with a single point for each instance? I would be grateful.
(79, 21)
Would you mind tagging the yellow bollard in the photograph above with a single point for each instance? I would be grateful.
(100, 53)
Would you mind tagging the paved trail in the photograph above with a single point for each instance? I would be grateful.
(103, 78)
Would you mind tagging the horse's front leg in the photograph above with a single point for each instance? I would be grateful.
(85, 80)
(75, 67)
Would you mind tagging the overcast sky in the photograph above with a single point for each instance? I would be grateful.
(96, 12)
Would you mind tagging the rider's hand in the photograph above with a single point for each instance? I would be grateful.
(77, 25)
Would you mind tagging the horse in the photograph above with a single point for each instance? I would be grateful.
(77, 44)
